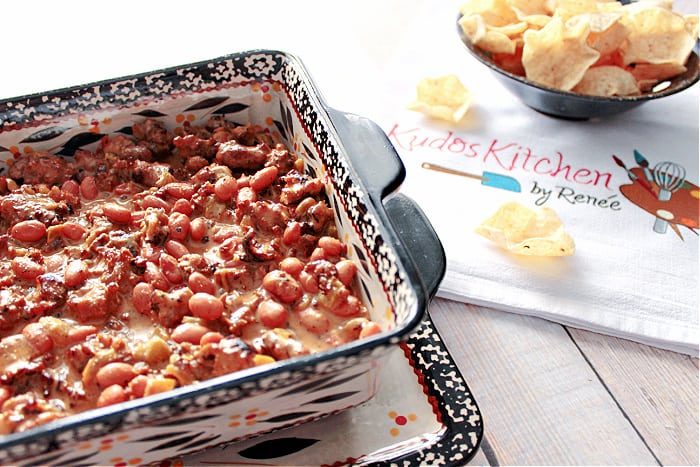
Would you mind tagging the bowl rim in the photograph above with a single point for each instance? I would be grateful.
(485, 58)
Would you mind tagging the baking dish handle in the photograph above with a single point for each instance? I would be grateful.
(421, 241)
(375, 160)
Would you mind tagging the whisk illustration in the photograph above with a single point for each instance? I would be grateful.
(669, 177)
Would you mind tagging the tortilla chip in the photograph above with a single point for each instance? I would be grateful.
(529, 7)
(692, 25)
(522, 231)
(535, 21)
(445, 98)
(607, 32)
(486, 37)
(566, 9)
(658, 35)
(609, 40)
(649, 75)
(607, 81)
(556, 56)
(473, 27)
(494, 12)
(510, 30)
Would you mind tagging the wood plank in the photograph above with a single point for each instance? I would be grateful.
(657, 389)
(479, 458)
(542, 403)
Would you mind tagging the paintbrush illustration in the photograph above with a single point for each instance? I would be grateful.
(644, 164)
(632, 176)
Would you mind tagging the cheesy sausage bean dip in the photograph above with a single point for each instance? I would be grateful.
(158, 261)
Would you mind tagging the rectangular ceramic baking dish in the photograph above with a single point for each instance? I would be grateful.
(399, 257)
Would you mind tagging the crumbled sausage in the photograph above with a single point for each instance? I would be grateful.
(39, 167)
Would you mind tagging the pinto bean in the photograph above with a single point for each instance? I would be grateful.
(151, 201)
(198, 282)
(71, 186)
(117, 213)
(292, 266)
(38, 336)
(26, 268)
(308, 282)
(370, 328)
(73, 231)
(314, 320)
(112, 395)
(76, 273)
(205, 306)
(178, 226)
(243, 181)
(317, 254)
(189, 332)
(127, 188)
(88, 188)
(180, 190)
(350, 330)
(263, 178)
(225, 188)
(28, 231)
(272, 314)
(183, 206)
(176, 249)
(170, 268)
(331, 245)
(350, 307)
(137, 386)
(80, 333)
(282, 285)
(292, 233)
(138, 216)
(212, 337)
(198, 229)
(115, 373)
(346, 271)
(141, 297)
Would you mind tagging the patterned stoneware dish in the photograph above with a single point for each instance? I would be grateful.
(436, 421)
(399, 258)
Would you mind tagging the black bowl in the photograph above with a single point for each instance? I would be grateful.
(573, 106)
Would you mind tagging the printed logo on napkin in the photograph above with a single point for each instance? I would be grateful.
(659, 188)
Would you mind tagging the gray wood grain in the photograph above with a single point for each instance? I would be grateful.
(657, 389)
(542, 402)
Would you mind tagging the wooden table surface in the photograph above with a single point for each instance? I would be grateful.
(554, 395)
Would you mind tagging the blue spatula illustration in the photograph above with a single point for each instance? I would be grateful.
(491, 179)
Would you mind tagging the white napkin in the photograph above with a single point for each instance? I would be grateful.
(624, 279)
